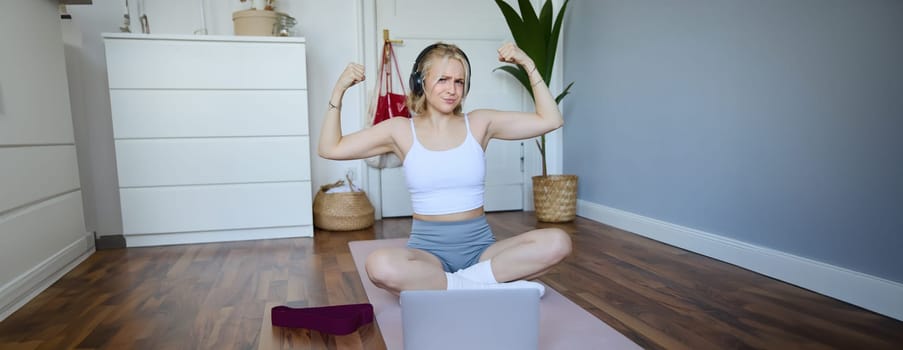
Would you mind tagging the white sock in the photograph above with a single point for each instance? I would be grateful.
(453, 281)
(479, 272)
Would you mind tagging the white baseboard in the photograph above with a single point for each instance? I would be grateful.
(217, 236)
(25, 287)
(869, 292)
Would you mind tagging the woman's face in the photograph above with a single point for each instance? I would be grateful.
(444, 85)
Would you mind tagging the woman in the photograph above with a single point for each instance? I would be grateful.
(451, 245)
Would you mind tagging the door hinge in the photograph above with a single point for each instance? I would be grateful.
(521, 157)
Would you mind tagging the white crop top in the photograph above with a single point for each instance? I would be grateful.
(446, 182)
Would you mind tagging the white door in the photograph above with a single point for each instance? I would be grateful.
(479, 28)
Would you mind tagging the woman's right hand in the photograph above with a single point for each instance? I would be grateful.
(353, 74)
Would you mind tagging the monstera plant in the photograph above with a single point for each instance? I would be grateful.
(554, 196)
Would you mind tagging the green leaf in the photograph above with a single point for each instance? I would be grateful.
(564, 93)
(526, 11)
(534, 44)
(517, 27)
(553, 40)
(545, 20)
(519, 74)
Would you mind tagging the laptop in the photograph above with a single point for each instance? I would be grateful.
(470, 319)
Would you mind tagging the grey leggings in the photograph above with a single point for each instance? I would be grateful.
(457, 244)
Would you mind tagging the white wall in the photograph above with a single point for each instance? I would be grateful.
(42, 228)
(330, 28)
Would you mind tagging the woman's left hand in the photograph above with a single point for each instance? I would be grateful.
(510, 53)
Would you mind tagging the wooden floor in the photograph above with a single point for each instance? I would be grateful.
(215, 296)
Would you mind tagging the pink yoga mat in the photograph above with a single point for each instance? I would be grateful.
(563, 324)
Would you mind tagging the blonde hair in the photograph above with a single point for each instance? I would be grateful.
(440, 51)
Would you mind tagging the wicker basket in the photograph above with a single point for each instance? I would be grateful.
(342, 211)
(555, 197)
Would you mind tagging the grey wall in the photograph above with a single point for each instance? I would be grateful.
(777, 123)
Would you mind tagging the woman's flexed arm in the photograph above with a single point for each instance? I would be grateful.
(520, 125)
(362, 144)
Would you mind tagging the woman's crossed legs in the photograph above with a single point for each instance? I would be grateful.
(524, 256)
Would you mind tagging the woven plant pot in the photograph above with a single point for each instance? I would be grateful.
(343, 211)
(555, 197)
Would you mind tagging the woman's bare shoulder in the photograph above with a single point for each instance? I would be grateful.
(479, 123)
(481, 116)
(485, 117)
(401, 128)
(480, 113)
(399, 123)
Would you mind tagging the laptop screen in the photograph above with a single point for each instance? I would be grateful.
(470, 319)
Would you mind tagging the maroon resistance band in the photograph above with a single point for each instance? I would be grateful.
(335, 319)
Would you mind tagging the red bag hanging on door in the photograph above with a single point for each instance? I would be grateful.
(388, 103)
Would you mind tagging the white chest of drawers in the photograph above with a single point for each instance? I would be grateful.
(211, 137)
